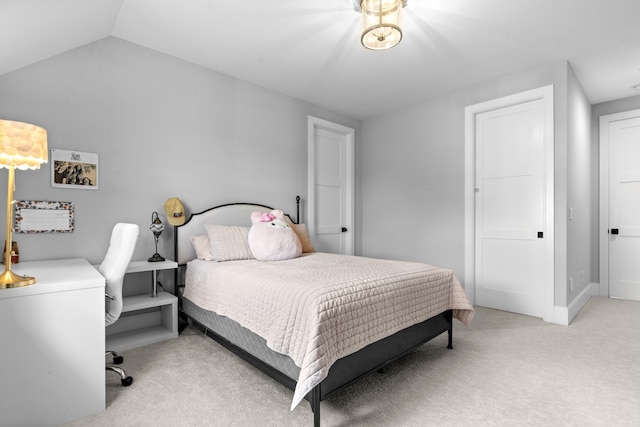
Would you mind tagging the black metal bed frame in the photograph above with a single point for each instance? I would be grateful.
(349, 369)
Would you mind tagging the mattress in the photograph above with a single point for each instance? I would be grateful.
(241, 337)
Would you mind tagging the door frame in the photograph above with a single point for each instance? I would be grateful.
(546, 94)
(604, 146)
(349, 134)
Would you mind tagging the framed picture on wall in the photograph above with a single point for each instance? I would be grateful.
(74, 169)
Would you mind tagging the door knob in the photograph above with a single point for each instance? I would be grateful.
(344, 229)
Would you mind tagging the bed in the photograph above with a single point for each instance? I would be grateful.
(316, 322)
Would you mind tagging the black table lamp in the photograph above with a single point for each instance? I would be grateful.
(156, 228)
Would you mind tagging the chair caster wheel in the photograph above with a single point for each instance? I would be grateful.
(126, 382)
(118, 360)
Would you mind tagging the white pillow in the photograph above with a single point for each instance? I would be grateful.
(229, 242)
(202, 245)
(303, 235)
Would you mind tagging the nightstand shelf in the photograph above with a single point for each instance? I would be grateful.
(145, 319)
(140, 302)
(141, 336)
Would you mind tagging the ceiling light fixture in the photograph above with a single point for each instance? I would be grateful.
(380, 23)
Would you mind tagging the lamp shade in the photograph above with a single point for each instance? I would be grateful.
(381, 23)
(22, 145)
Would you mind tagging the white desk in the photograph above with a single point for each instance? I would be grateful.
(52, 364)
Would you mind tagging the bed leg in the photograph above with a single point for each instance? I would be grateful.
(450, 330)
(315, 405)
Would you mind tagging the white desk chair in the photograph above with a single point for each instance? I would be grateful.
(121, 246)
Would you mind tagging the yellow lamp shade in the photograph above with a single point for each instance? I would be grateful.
(22, 145)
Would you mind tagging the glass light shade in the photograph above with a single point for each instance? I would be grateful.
(22, 145)
(381, 23)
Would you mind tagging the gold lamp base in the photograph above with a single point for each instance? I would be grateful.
(9, 279)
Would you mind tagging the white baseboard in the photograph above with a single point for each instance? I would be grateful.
(565, 315)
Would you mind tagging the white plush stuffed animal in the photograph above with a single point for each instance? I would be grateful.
(271, 238)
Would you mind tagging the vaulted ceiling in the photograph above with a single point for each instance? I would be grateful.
(310, 49)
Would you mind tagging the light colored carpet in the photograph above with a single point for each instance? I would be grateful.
(505, 370)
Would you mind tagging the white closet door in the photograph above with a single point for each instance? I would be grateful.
(510, 208)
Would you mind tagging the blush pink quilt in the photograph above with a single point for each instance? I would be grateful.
(320, 307)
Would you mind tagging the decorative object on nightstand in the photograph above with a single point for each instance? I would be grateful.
(156, 228)
(22, 146)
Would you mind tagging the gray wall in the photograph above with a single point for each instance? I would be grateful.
(579, 172)
(413, 174)
(162, 128)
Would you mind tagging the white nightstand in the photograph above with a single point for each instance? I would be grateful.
(146, 318)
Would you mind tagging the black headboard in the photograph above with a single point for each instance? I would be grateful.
(228, 214)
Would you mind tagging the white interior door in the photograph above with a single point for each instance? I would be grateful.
(510, 203)
(510, 222)
(624, 208)
(331, 186)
